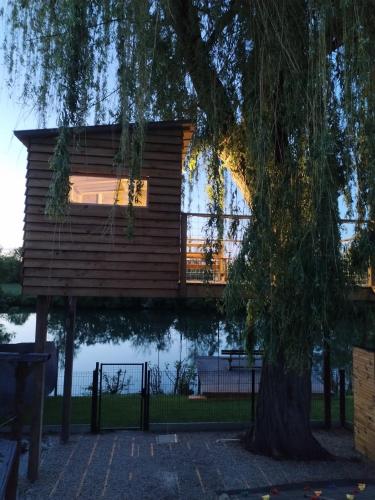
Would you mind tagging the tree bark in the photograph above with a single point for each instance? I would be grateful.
(212, 95)
(282, 425)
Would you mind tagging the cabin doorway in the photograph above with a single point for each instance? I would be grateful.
(121, 396)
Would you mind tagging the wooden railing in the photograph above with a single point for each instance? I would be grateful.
(365, 279)
(199, 265)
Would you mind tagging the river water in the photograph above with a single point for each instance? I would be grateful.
(159, 337)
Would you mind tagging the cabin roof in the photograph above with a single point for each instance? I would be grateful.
(25, 135)
(186, 126)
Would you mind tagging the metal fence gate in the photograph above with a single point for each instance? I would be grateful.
(119, 396)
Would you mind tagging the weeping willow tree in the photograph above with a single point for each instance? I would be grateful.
(282, 92)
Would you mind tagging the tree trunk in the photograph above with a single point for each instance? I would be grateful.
(282, 424)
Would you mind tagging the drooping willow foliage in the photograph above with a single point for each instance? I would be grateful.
(283, 93)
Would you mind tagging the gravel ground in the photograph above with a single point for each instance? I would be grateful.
(200, 465)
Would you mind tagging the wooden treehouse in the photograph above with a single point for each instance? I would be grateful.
(90, 254)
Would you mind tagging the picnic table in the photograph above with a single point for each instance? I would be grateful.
(238, 355)
(234, 354)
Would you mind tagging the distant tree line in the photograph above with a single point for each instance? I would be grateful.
(10, 266)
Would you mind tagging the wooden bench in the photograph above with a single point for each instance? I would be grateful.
(8, 470)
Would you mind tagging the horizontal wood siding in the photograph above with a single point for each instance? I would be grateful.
(90, 254)
(364, 401)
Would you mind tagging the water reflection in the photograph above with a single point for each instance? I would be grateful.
(155, 335)
(16, 317)
(5, 336)
(152, 330)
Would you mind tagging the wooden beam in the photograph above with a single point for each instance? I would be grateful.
(355, 221)
(42, 306)
(222, 216)
(183, 255)
(71, 307)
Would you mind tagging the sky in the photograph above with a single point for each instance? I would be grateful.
(14, 115)
(13, 155)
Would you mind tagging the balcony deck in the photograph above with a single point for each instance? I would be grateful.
(204, 272)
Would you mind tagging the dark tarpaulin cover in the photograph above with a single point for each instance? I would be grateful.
(8, 379)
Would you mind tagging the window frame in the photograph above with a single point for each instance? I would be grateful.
(107, 176)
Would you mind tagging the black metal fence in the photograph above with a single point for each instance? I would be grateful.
(184, 396)
(124, 396)
(223, 396)
(81, 384)
(121, 395)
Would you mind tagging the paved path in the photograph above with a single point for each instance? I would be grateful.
(141, 466)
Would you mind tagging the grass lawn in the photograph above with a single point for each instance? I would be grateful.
(124, 411)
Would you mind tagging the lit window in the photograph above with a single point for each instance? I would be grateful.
(105, 191)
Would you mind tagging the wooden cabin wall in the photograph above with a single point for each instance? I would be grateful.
(364, 401)
(89, 254)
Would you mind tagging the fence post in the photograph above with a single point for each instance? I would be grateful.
(342, 390)
(146, 400)
(252, 394)
(94, 399)
(327, 384)
(57, 373)
(144, 395)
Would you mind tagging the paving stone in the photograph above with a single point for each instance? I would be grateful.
(129, 465)
(166, 438)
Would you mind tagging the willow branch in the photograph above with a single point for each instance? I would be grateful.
(212, 96)
(211, 93)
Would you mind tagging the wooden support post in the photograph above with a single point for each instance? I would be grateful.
(42, 305)
(327, 384)
(183, 255)
(68, 370)
(22, 371)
